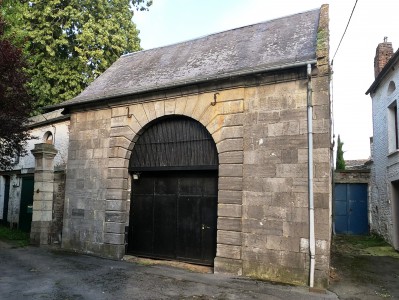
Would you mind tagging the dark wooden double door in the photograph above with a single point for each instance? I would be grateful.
(173, 216)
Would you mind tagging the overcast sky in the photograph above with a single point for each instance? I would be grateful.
(171, 21)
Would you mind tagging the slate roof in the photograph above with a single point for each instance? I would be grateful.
(278, 43)
(47, 118)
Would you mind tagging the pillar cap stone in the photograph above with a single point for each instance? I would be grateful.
(44, 149)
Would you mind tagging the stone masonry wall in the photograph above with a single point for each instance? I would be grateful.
(86, 182)
(58, 206)
(275, 193)
(275, 199)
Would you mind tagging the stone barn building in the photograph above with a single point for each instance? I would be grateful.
(198, 152)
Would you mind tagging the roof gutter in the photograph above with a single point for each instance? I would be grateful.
(182, 83)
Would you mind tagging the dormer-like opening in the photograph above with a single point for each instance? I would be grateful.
(391, 87)
(48, 137)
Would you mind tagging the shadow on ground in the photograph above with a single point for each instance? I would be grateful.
(364, 267)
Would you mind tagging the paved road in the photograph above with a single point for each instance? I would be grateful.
(37, 273)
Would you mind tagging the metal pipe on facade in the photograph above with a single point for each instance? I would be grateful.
(312, 241)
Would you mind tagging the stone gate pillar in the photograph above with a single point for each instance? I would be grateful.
(42, 214)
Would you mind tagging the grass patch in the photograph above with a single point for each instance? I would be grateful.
(17, 237)
(372, 245)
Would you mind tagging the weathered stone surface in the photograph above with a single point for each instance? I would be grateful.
(139, 113)
(112, 227)
(170, 107)
(229, 237)
(230, 183)
(117, 205)
(230, 170)
(117, 173)
(159, 108)
(116, 194)
(230, 197)
(228, 251)
(229, 210)
(230, 145)
(117, 162)
(290, 244)
(114, 152)
(233, 224)
(233, 157)
(120, 142)
(114, 238)
(260, 170)
(291, 170)
(233, 107)
(117, 183)
(149, 109)
(115, 216)
(266, 227)
(228, 266)
(180, 105)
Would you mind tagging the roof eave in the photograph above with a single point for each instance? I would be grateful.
(184, 83)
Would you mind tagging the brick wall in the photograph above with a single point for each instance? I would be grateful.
(383, 53)
(352, 176)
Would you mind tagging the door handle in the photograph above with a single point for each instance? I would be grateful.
(205, 227)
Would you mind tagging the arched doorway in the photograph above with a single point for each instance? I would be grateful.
(173, 212)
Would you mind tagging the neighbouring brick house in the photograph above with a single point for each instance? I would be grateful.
(384, 200)
(198, 151)
(20, 186)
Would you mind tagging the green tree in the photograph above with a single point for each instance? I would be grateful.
(68, 43)
(15, 102)
(340, 161)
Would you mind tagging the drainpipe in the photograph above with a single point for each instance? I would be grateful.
(312, 242)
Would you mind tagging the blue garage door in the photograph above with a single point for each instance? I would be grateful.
(350, 210)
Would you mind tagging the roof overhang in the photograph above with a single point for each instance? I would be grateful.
(185, 83)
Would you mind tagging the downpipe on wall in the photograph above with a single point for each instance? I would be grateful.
(312, 241)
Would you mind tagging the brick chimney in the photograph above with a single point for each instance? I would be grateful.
(383, 54)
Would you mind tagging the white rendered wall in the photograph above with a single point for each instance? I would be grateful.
(26, 164)
(60, 133)
(385, 168)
